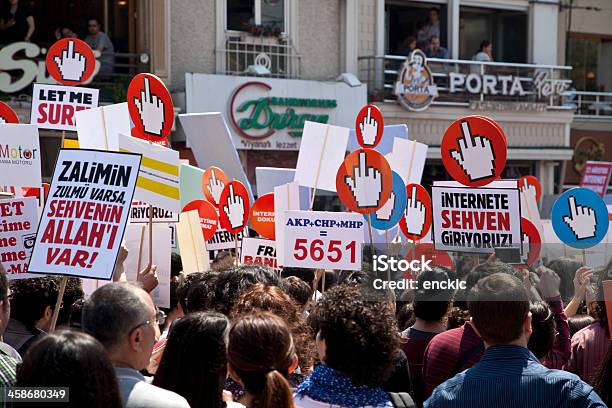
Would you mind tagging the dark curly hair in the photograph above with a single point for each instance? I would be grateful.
(201, 293)
(361, 336)
(297, 289)
(263, 298)
(184, 284)
(74, 292)
(543, 325)
(30, 298)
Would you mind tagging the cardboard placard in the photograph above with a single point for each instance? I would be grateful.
(323, 240)
(54, 106)
(476, 219)
(258, 251)
(85, 215)
(99, 128)
(19, 156)
(190, 184)
(223, 239)
(19, 221)
(191, 243)
(139, 214)
(369, 126)
(209, 217)
(408, 159)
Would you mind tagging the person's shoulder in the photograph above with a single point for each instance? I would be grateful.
(304, 401)
(570, 385)
(447, 390)
(145, 394)
(587, 333)
(449, 337)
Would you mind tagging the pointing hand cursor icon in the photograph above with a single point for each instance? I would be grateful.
(215, 186)
(581, 220)
(475, 154)
(71, 64)
(234, 208)
(151, 110)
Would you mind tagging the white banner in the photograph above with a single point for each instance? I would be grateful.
(258, 251)
(54, 106)
(139, 214)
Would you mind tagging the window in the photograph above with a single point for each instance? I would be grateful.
(590, 57)
(242, 15)
(506, 29)
(414, 21)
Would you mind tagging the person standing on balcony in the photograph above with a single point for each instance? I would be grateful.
(485, 53)
(16, 22)
(434, 50)
(409, 45)
(431, 28)
(99, 41)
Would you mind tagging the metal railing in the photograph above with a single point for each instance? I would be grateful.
(273, 57)
(381, 73)
(592, 105)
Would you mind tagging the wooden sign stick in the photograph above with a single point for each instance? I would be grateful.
(58, 303)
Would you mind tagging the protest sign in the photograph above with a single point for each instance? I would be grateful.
(223, 239)
(531, 243)
(321, 154)
(416, 222)
(393, 210)
(287, 197)
(257, 251)
(54, 107)
(596, 176)
(7, 115)
(213, 182)
(323, 240)
(17, 233)
(19, 156)
(580, 218)
(194, 255)
(531, 183)
(151, 109)
(529, 204)
(99, 128)
(190, 184)
(84, 219)
(267, 178)
(136, 241)
(474, 151)
(70, 61)
(209, 218)
(369, 126)
(408, 159)
(212, 145)
(234, 207)
(140, 212)
(385, 146)
(158, 178)
(476, 219)
(364, 181)
(262, 216)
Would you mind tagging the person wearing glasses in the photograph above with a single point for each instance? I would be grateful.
(123, 318)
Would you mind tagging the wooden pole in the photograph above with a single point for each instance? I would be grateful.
(236, 260)
(139, 263)
(62, 139)
(150, 235)
(58, 303)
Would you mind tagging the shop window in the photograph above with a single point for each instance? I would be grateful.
(246, 15)
(418, 20)
(506, 29)
(590, 58)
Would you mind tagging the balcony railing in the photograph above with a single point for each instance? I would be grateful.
(243, 52)
(592, 105)
(539, 87)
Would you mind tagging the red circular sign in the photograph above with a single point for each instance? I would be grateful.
(209, 218)
(214, 181)
(364, 181)
(438, 257)
(7, 115)
(474, 151)
(234, 207)
(531, 242)
(369, 126)
(419, 212)
(262, 216)
(70, 61)
(150, 107)
(531, 183)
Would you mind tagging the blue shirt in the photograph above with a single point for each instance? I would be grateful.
(511, 376)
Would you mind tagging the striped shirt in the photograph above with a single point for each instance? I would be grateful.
(589, 347)
(8, 369)
(511, 376)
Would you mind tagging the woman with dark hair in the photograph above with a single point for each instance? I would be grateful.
(543, 325)
(485, 52)
(194, 363)
(603, 380)
(73, 360)
(358, 343)
(261, 355)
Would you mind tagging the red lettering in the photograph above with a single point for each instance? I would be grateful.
(42, 114)
(445, 221)
(67, 114)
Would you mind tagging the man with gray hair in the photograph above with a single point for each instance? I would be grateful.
(123, 318)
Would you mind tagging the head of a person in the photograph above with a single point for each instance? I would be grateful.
(486, 46)
(33, 301)
(67, 32)
(499, 306)
(194, 364)
(434, 15)
(123, 318)
(266, 298)
(184, 285)
(93, 25)
(566, 269)
(75, 360)
(261, 355)
(297, 289)
(477, 273)
(5, 303)
(200, 297)
(432, 298)
(404, 315)
(356, 334)
(232, 282)
(73, 293)
(456, 317)
(410, 43)
(434, 43)
(176, 265)
(543, 329)
(579, 322)
(223, 261)
(76, 314)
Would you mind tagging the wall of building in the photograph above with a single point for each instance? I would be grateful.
(367, 27)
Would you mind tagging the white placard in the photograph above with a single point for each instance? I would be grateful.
(323, 240)
(99, 128)
(85, 215)
(54, 106)
(475, 219)
(19, 156)
(408, 159)
(139, 214)
(259, 251)
(17, 234)
(267, 178)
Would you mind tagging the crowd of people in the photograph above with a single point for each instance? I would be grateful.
(248, 336)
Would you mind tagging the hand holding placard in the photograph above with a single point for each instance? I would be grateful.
(71, 64)
(366, 183)
(414, 213)
(369, 129)
(151, 110)
(234, 208)
(215, 186)
(475, 155)
(581, 220)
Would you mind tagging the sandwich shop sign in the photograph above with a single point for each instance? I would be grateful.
(269, 114)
